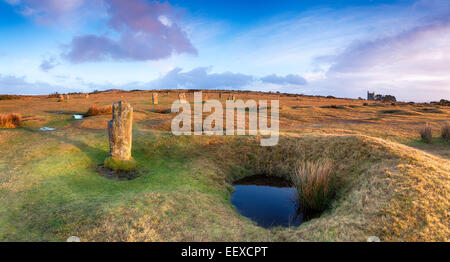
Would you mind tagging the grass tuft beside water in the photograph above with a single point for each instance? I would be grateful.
(315, 184)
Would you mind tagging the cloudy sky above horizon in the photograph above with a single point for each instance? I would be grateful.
(323, 47)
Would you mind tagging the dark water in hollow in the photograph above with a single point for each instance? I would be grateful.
(269, 201)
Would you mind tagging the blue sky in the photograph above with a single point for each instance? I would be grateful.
(341, 48)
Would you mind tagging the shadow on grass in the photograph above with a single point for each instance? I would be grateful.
(94, 153)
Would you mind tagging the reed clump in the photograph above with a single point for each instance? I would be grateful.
(426, 134)
(96, 110)
(445, 131)
(315, 184)
(11, 120)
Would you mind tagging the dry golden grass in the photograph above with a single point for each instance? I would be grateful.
(11, 120)
(387, 187)
(445, 132)
(96, 110)
(426, 134)
(314, 184)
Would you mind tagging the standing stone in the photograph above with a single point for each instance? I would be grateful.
(86, 96)
(233, 97)
(205, 98)
(182, 97)
(220, 95)
(155, 98)
(120, 131)
(60, 98)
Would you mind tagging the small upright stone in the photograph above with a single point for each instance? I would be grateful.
(233, 97)
(60, 98)
(155, 98)
(220, 95)
(86, 96)
(182, 97)
(120, 138)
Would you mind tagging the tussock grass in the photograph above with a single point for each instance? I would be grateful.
(314, 184)
(51, 189)
(397, 112)
(334, 107)
(11, 120)
(445, 132)
(426, 134)
(383, 188)
(54, 95)
(431, 110)
(95, 110)
(9, 97)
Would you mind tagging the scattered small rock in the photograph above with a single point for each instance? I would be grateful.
(78, 116)
(373, 239)
(73, 239)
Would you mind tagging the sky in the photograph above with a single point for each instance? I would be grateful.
(342, 48)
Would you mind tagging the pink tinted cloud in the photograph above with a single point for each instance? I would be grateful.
(145, 30)
(148, 31)
(50, 11)
(427, 42)
(412, 64)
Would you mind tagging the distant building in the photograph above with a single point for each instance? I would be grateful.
(378, 97)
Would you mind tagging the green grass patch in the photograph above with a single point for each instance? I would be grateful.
(120, 165)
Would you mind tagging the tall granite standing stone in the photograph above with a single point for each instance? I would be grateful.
(155, 98)
(120, 131)
(182, 97)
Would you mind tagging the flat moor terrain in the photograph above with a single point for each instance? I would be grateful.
(392, 185)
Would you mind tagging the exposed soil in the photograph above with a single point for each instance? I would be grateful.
(119, 175)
